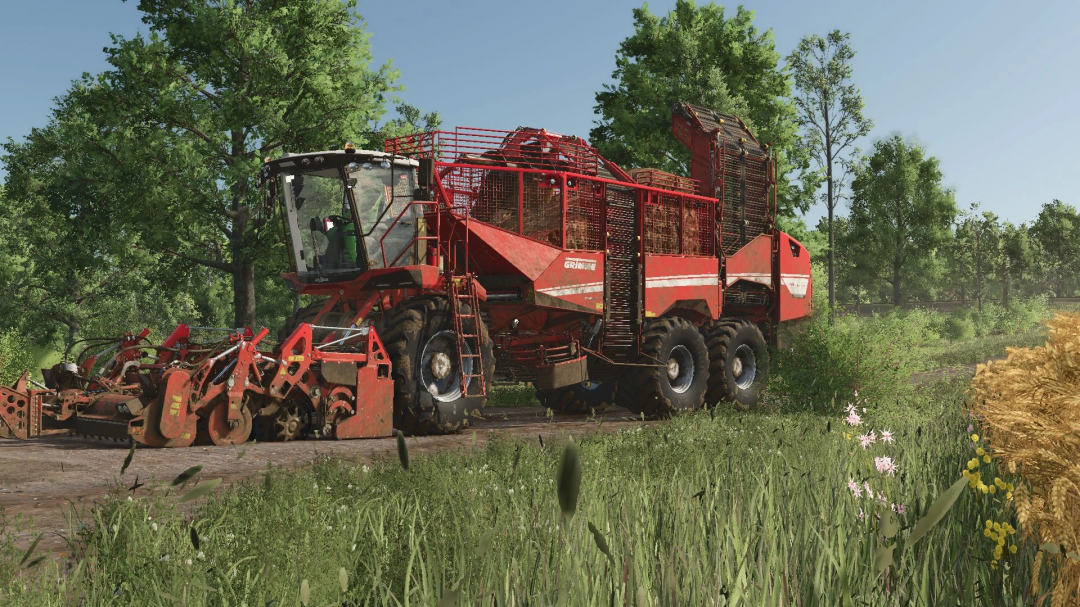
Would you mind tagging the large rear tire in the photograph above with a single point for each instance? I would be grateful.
(678, 385)
(418, 335)
(739, 359)
(586, 397)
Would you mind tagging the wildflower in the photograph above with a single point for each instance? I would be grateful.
(365, 469)
(898, 508)
(869, 493)
(201, 556)
(970, 427)
(868, 439)
(853, 419)
(980, 451)
(154, 526)
(164, 559)
(187, 562)
(1012, 549)
(986, 459)
(854, 487)
(885, 465)
(862, 515)
(886, 436)
(974, 438)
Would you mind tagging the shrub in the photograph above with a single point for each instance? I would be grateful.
(957, 327)
(15, 356)
(826, 363)
(1030, 415)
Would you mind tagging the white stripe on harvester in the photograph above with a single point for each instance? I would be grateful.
(588, 287)
(689, 280)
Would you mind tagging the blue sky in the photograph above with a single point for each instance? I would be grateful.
(990, 88)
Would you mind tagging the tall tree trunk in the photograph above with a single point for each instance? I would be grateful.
(896, 282)
(1005, 283)
(244, 294)
(830, 202)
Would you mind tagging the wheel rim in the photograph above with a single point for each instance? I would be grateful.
(744, 366)
(680, 369)
(439, 371)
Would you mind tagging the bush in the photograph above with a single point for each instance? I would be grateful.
(825, 364)
(957, 327)
(15, 356)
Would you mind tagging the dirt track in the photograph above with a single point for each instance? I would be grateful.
(40, 478)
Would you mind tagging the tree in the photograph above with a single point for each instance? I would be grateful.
(830, 113)
(1019, 260)
(977, 253)
(170, 139)
(900, 214)
(698, 55)
(1057, 231)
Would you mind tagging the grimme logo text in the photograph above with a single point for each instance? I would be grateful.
(577, 263)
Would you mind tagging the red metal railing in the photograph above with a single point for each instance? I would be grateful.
(523, 148)
(659, 179)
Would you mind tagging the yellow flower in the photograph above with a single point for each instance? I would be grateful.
(1008, 496)
(983, 488)
(986, 459)
(989, 523)
(973, 464)
(986, 532)
(1012, 549)
(974, 438)
(980, 451)
(1000, 483)
(993, 489)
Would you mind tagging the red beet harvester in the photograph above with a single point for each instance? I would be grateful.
(456, 259)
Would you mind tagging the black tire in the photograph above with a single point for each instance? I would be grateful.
(739, 363)
(586, 397)
(405, 331)
(651, 390)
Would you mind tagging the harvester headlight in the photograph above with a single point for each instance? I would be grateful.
(353, 166)
(367, 165)
(385, 164)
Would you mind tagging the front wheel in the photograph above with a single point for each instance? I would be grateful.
(740, 363)
(429, 394)
(674, 372)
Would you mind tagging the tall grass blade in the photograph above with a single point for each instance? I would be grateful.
(127, 460)
(937, 510)
(569, 480)
(402, 451)
(186, 475)
(200, 490)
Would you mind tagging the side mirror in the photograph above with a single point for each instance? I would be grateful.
(426, 175)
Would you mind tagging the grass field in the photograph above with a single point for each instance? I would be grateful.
(712, 508)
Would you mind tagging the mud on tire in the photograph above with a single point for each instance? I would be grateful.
(586, 397)
(739, 360)
(679, 385)
(410, 331)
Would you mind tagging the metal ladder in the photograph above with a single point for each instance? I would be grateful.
(469, 345)
(622, 297)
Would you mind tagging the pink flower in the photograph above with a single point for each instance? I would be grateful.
(868, 439)
(853, 419)
(898, 508)
(885, 465)
(881, 498)
(862, 515)
(886, 436)
(854, 487)
(971, 428)
(869, 493)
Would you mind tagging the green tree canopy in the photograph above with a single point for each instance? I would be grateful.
(162, 150)
(700, 55)
(1057, 231)
(900, 215)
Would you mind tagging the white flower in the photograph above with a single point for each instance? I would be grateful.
(164, 559)
(187, 562)
(201, 556)
(354, 547)
(365, 469)
(129, 498)
(115, 528)
(510, 490)
(153, 526)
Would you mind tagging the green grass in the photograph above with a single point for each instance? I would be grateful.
(978, 350)
(751, 507)
(517, 395)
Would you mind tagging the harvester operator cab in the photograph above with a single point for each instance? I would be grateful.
(348, 211)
